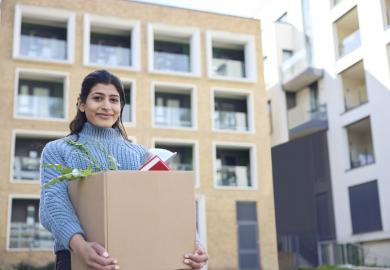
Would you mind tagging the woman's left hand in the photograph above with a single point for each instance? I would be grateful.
(198, 259)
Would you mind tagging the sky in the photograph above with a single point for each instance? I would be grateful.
(243, 8)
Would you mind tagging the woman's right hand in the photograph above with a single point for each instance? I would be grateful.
(92, 254)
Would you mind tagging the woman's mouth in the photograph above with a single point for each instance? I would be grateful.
(104, 115)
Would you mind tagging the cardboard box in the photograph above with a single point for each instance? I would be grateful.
(146, 220)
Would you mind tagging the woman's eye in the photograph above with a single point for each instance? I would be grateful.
(97, 98)
(114, 100)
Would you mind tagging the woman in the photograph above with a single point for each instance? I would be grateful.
(98, 126)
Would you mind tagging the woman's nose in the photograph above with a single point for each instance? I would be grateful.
(106, 104)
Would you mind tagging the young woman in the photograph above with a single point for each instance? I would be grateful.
(97, 125)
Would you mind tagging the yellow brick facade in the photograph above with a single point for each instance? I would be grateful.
(220, 204)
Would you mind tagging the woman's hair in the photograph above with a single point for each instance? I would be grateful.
(92, 79)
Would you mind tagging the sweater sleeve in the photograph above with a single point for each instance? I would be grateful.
(56, 211)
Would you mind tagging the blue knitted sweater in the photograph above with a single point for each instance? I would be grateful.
(56, 211)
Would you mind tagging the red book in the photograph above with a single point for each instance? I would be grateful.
(155, 164)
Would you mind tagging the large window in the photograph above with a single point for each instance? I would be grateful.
(234, 166)
(173, 106)
(40, 96)
(347, 33)
(231, 112)
(43, 34)
(231, 56)
(25, 230)
(361, 150)
(354, 86)
(111, 42)
(27, 154)
(174, 49)
(365, 208)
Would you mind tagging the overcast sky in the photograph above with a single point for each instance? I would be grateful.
(243, 8)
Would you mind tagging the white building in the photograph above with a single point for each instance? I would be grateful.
(326, 67)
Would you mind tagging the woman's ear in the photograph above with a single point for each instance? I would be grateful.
(80, 105)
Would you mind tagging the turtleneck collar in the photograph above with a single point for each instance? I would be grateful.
(98, 133)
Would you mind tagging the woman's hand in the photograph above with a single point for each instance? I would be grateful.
(92, 254)
(198, 259)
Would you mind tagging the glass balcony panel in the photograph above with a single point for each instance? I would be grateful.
(26, 168)
(110, 55)
(25, 235)
(43, 47)
(355, 97)
(181, 166)
(350, 43)
(231, 120)
(40, 106)
(238, 176)
(171, 61)
(168, 116)
(299, 115)
(228, 68)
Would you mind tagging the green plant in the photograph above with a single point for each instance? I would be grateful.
(69, 174)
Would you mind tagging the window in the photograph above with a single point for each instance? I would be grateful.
(231, 111)
(128, 114)
(25, 230)
(234, 166)
(111, 42)
(231, 56)
(347, 33)
(174, 49)
(248, 235)
(43, 34)
(40, 95)
(365, 208)
(291, 100)
(361, 149)
(354, 86)
(173, 106)
(184, 159)
(27, 153)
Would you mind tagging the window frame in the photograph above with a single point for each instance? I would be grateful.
(133, 26)
(249, 43)
(252, 161)
(234, 93)
(185, 89)
(49, 14)
(133, 108)
(8, 224)
(42, 73)
(176, 31)
(34, 134)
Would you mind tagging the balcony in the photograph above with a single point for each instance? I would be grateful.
(298, 72)
(43, 47)
(350, 43)
(40, 106)
(237, 176)
(110, 55)
(173, 117)
(226, 120)
(181, 166)
(26, 168)
(302, 122)
(229, 68)
(24, 235)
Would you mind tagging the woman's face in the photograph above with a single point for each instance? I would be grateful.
(102, 107)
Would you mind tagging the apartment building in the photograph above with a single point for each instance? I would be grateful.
(327, 75)
(193, 85)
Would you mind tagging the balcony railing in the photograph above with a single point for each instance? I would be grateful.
(23, 235)
(238, 176)
(171, 62)
(175, 117)
(231, 120)
(361, 158)
(299, 115)
(110, 55)
(26, 168)
(41, 47)
(229, 68)
(298, 62)
(181, 166)
(350, 43)
(40, 106)
(355, 98)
